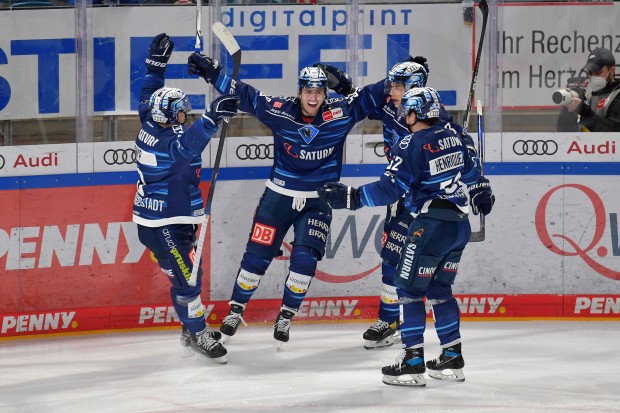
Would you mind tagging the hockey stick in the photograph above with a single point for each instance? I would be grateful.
(198, 25)
(484, 8)
(480, 235)
(232, 47)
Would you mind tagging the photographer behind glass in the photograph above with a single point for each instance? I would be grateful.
(592, 103)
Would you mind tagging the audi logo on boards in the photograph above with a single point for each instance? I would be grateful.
(377, 147)
(255, 151)
(119, 156)
(2, 162)
(535, 147)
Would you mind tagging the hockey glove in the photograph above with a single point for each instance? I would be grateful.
(203, 66)
(224, 106)
(159, 53)
(481, 197)
(339, 196)
(468, 142)
(421, 60)
(337, 80)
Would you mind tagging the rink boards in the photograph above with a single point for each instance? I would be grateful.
(70, 259)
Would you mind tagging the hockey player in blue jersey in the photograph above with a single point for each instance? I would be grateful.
(411, 73)
(168, 204)
(429, 165)
(309, 132)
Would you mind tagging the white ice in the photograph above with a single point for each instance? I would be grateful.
(534, 366)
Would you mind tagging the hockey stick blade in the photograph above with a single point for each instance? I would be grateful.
(477, 236)
(231, 45)
(227, 39)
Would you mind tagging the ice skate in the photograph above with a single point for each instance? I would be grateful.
(207, 346)
(380, 334)
(282, 326)
(186, 336)
(408, 370)
(449, 365)
(231, 322)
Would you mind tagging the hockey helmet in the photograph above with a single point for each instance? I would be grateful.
(166, 103)
(409, 74)
(312, 77)
(424, 101)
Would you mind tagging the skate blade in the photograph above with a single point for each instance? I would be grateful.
(447, 374)
(225, 338)
(278, 345)
(386, 342)
(410, 380)
(221, 360)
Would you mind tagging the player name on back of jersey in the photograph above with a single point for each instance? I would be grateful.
(446, 163)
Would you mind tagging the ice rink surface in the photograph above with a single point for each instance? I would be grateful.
(520, 366)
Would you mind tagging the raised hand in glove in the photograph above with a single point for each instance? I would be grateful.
(203, 66)
(421, 60)
(159, 53)
(224, 106)
(481, 197)
(339, 196)
(337, 80)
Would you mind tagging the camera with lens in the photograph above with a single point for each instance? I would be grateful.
(575, 88)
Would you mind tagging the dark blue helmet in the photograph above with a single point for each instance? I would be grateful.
(409, 74)
(166, 103)
(312, 77)
(424, 101)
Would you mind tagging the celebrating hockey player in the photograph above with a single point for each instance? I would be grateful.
(168, 204)
(411, 73)
(309, 133)
(428, 166)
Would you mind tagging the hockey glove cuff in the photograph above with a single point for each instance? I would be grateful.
(159, 53)
(339, 196)
(203, 66)
(481, 197)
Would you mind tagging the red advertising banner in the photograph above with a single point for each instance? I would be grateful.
(71, 261)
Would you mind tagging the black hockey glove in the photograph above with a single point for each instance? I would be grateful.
(224, 106)
(337, 80)
(159, 53)
(481, 197)
(421, 60)
(203, 66)
(339, 196)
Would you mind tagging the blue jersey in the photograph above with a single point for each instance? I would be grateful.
(306, 154)
(428, 164)
(169, 165)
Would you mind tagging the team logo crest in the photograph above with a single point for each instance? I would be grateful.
(308, 132)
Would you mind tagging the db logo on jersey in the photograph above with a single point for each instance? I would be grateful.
(263, 234)
(332, 114)
(277, 105)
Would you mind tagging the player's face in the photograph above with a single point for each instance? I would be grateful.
(181, 118)
(311, 100)
(396, 93)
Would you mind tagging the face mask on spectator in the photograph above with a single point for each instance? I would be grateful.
(597, 83)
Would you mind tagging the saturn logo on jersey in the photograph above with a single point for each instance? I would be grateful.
(308, 132)
(429, 147)
(263, 234)
(289, 149)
